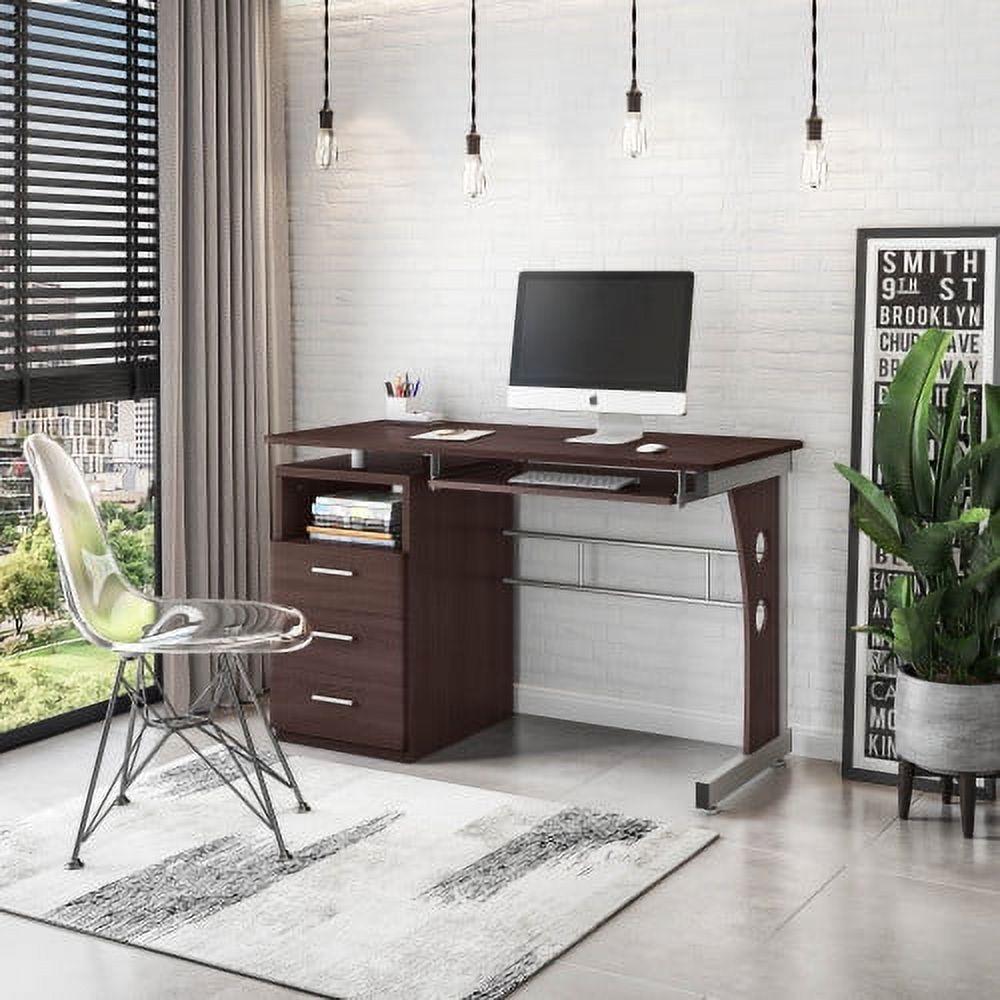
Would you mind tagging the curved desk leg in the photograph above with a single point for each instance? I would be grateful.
(758, 512)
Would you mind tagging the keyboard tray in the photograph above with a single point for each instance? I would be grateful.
(491, 477)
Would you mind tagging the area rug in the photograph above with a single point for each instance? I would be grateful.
(399, 887)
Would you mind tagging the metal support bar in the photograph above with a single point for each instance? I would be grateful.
(618, 592)
(713, 788)
(552, 536)
(581, 585)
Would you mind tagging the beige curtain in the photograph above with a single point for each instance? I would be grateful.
(226, 354)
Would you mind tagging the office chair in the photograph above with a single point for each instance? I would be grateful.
(112, 614)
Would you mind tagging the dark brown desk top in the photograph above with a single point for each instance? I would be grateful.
(526, 443)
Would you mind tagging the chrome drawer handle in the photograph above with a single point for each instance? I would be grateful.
(346, 702)
(339, 636)
(332, 572)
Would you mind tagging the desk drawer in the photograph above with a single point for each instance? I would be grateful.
(325, 583)
(361, 647)
(316, 703)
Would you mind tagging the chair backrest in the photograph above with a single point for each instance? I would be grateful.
(104, 606)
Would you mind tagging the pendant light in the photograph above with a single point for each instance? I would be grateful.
(634, 141)
(474, 179)
(814, 165)
(327, 152)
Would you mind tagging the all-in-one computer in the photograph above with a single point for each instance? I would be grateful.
(614, 343)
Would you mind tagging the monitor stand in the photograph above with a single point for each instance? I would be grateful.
(612, 428)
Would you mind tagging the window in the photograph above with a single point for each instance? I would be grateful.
(79, 296)
(79, 323)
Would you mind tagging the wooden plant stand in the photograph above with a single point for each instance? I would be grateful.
(967, 793)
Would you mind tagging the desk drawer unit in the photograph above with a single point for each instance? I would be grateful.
(315, 702)
(327, 584)
(347, 685)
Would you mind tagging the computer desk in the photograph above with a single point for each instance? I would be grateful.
(414, 647)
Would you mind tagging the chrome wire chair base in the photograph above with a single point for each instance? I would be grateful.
(146, 717)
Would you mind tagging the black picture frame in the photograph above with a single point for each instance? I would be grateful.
(851, 767)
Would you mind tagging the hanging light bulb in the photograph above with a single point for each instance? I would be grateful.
(327, 152)
(634, 139)
(814, 165)
(474, 177)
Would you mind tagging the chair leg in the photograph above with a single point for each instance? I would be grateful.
(904, 788)
(947, 785)
(123, 799)
(269, 729)
(265, 796)
(967, 802)
(74, 862)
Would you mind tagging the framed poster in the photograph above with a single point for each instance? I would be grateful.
(908, 280)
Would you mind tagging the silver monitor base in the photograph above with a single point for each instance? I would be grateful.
(612, 428)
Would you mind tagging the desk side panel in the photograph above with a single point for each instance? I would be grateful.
(460, 620)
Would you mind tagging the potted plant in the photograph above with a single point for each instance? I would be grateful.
(939, 512)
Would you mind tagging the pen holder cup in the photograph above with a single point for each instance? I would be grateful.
(398, 407)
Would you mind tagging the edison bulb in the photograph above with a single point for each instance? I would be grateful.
(474, 178)
(814, 165)
(327, 152)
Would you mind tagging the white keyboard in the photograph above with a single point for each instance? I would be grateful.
(572, 480)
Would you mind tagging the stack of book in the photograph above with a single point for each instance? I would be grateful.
(358, 518)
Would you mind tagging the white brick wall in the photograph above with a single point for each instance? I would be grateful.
(393, 268)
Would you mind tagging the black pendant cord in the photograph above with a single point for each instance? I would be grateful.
(815, 112)
(326, 55)
(473, 66)
(635, 85)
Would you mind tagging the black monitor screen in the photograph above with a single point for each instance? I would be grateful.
(603, 330)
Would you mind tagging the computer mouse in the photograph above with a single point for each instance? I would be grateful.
(650, 448)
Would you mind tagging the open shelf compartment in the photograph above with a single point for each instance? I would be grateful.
(299, 483)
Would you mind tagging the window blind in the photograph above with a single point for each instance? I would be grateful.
(79, 251)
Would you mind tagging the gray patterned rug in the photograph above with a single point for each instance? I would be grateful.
(399, 887)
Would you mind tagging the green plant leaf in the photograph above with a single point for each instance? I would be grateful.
(969, 463)
(986, 669)
(981, 575)
(880, 630)
(871, 523)
(987, 491)
(913, 630)
(874, 513)
(901, 434)
(949, 442)
(959, 652)
(987, 546)
(899, 593)
(930, 549)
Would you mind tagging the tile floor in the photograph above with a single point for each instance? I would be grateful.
(814, 889)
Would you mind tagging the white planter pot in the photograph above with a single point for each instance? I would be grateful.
(948, 728)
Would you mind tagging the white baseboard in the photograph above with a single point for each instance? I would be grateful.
(621, 713)
(821, 744)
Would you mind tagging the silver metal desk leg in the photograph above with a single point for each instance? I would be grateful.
(714, 787)
(759, 512)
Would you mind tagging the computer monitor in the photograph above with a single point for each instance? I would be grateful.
(611, 342)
